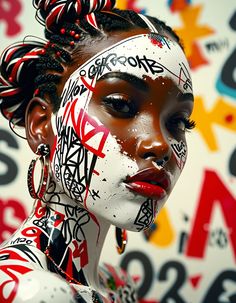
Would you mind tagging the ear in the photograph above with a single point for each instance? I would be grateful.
(38, 123)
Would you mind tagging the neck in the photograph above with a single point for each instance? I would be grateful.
(72, 236)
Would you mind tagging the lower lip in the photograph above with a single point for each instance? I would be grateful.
(147, 189)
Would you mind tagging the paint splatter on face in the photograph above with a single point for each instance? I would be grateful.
(120, 131)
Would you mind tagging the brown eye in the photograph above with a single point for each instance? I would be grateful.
(120, 105)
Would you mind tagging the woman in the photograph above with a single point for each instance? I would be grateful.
(105, 102)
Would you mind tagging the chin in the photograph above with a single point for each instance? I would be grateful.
(127, 210)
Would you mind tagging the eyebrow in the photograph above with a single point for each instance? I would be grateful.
(133, 80)
(186, 97)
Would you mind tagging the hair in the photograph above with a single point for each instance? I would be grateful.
(34, 68)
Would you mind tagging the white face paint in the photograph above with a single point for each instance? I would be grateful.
(87, 161)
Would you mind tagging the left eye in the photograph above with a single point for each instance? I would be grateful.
(120, 105)
(180, 124)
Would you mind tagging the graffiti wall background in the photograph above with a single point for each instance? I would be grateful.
(189, 254)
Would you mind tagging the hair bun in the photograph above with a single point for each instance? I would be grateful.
(53, 13)
(18, 64)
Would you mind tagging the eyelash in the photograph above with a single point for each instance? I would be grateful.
(114, 101)
(188, 123)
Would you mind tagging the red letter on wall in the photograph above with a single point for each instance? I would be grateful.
(18, 211)
(214, 191)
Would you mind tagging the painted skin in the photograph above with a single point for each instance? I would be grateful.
(144, 124)
(145, 115)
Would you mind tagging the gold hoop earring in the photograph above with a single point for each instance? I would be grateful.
(121, 240)
(43, 151)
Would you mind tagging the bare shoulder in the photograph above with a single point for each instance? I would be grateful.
(118, 283)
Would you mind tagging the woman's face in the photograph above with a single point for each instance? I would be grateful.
(120, 131)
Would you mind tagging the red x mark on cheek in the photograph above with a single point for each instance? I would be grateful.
(92, 135)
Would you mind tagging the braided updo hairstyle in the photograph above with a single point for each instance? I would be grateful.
(33, 68)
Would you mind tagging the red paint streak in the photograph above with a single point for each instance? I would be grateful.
(86, 84)
(81, 252)
(58, 218)
(118, 281)
(96, 172)
(69, 268)
(39, 210)
(156, 42)
(12, 255)
(18, 212)
(12, 271)
(32, 232)
(65, 112)
(9, 11)
(9, 270)
(80, 124)
(214, 192)
(54, 146)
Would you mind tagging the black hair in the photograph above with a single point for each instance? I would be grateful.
(33, 68)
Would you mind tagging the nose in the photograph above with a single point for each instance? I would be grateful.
(154, 148)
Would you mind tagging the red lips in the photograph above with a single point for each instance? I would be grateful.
(149, 183)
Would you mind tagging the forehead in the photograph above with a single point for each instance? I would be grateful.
(146, 54)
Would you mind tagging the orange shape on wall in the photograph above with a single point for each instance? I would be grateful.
(191, 31)
(178, 5)
(164, 234)
(127, 4)
(222, 114)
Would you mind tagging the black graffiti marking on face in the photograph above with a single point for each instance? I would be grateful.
(73, 89)
(183, 71)
(145, 216)
(77, 162)
(180, 149)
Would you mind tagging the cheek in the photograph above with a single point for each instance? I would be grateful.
(180, 151)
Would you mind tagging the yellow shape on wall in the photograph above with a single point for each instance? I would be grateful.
(121, 4)
(222, 114)
(128, 4)
(164, 234)
(192, 30)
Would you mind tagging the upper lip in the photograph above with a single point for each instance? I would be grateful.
(160, 177)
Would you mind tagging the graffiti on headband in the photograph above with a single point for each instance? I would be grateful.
(153, 58)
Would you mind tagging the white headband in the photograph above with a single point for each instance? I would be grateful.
(149, 24)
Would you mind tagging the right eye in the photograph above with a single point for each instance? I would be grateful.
(120, 105)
